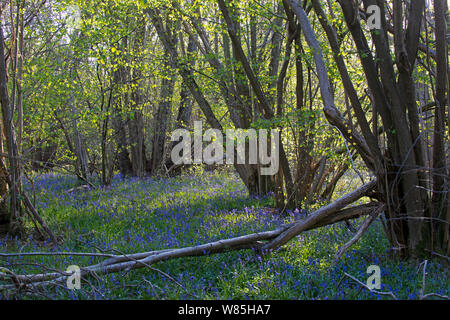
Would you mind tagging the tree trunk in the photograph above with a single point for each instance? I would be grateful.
(136, 124)
(440, 240)
(185, 108)
(120, 134)
(10, 213)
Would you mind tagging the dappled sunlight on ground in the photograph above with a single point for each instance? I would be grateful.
(135, 215)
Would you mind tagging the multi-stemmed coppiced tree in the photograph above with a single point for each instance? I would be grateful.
(390, 139)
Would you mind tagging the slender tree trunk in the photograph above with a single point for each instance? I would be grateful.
(440, 199)
(161, 122)
(136, 124)
(10, 215)
(120, 77)
(185, 108)
(257, 89)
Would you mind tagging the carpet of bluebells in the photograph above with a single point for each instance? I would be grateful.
(134, 215)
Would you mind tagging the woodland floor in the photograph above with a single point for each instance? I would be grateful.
(141, 215)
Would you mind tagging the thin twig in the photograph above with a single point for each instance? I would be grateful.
(371, 290)
(58, 253)
(365, 226)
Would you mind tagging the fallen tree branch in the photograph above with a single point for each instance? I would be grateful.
(319, 215)
(422, 291)
(371, 290)
(38, 218)
(254, 241)
(57, 253)
(168, 276)
(365, 226)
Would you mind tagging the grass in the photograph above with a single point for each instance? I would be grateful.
(141, 215)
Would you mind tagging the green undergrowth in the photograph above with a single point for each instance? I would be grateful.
(135, 215)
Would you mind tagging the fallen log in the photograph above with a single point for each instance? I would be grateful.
(251, 241)
(255, 241)
(319, 215)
